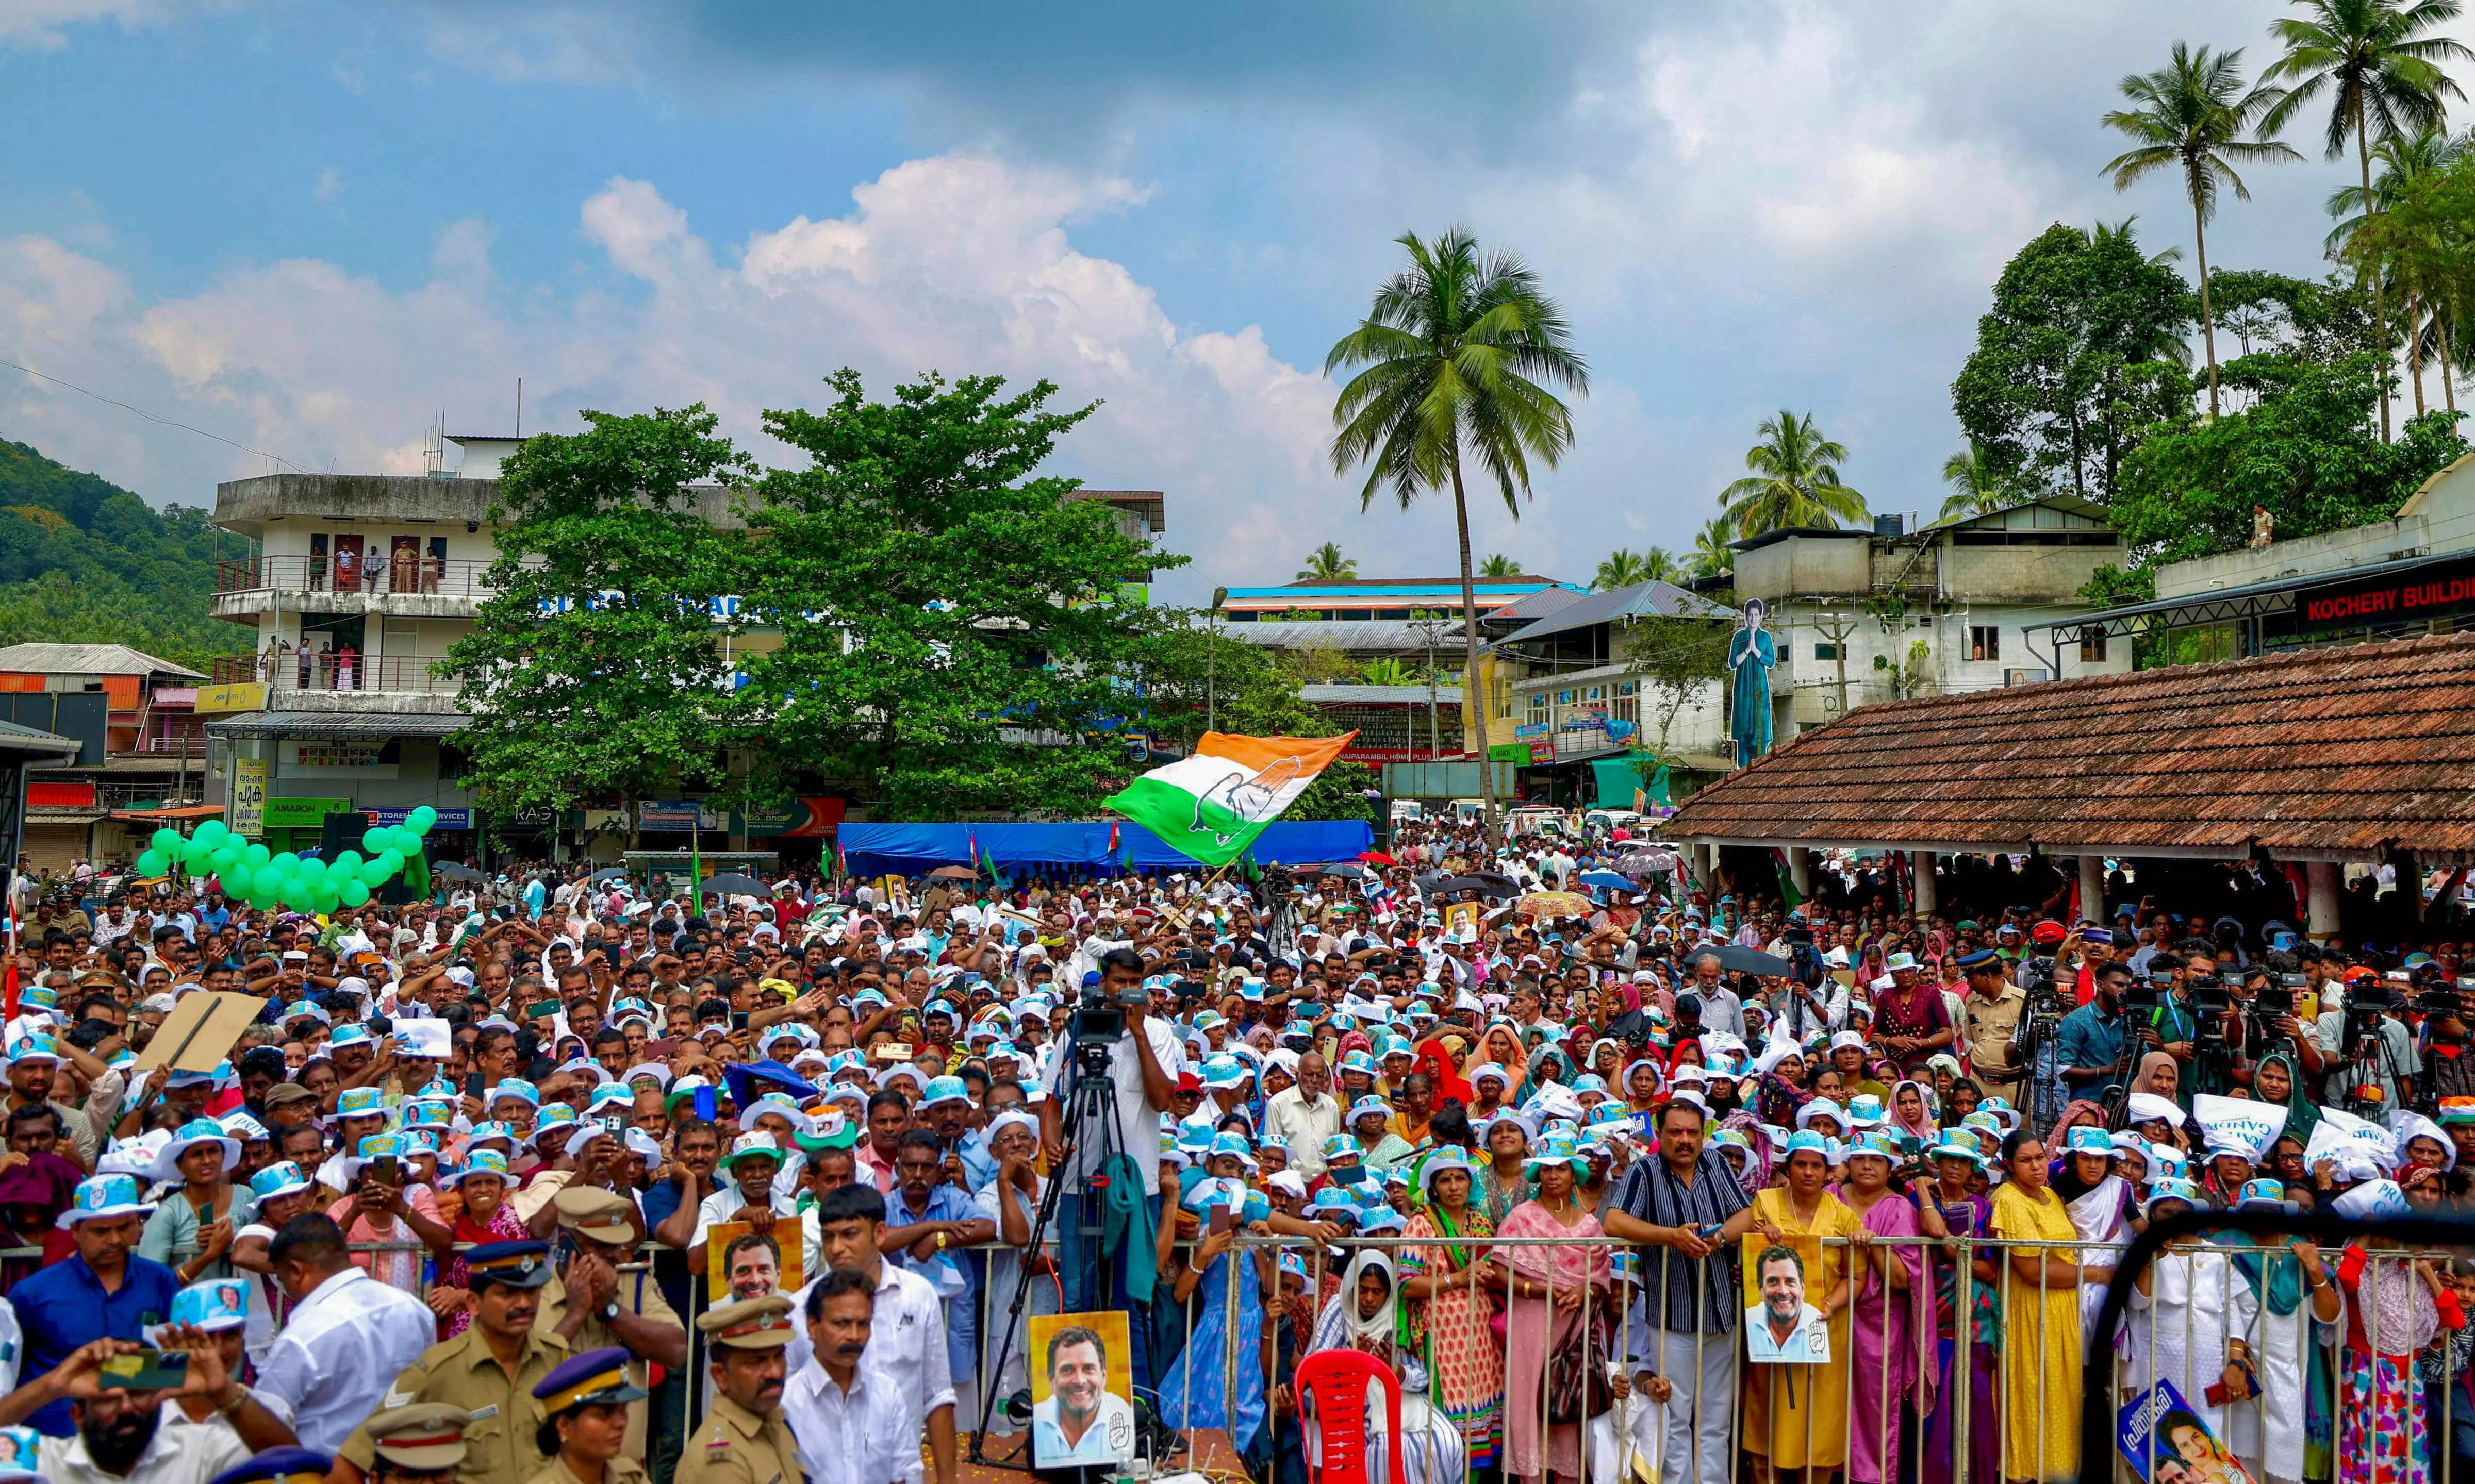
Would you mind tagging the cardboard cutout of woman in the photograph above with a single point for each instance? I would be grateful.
(1750, 654)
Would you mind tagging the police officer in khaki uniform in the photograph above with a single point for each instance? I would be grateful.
(489, 1370)
(747, 1440)
(422, 1444)
(593, 1306)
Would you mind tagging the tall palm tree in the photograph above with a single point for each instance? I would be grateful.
(2422, 268)
(1659, 564)
(2380, 68)
(1622, 569)
(1975, 487)
(1459, 351)
(2191, 115)
(1326, 564)
(1795, 480)
(1710, 557)
(1497, 565)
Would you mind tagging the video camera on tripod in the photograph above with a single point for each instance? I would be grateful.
(1097, 1024)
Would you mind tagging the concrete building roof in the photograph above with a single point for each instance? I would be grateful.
(1350, 635)
(41, 659)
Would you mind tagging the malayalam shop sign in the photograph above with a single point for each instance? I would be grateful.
(2432, 591)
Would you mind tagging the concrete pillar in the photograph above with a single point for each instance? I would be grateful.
(2091, 887)
(1799, 870)
(1920, 868)
(2322, 879)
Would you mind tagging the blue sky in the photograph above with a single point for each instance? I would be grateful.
(307, 227)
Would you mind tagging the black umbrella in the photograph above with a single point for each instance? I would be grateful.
(1484, 883)
(610, 873)
(1646, 862)
(732, 882)
(455, 870)
(1743, 961)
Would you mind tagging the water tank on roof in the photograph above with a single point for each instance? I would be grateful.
(1890, 525)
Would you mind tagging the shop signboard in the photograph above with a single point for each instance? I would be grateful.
(232, 696)
(448, 819)
(2432, 590)
(246, 810)
(284, 813)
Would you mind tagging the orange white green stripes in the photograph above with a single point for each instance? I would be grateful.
(1213, 804)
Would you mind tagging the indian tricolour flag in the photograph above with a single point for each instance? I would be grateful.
(1211, 805)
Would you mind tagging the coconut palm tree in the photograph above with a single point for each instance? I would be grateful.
(1659, 564)
(1621, 569)
(1326, 564)
(2419, 264)
(2191, 115)
(1459, 350)
(1710, 557)
(2380, 68)
(1499, 565)
(1795, 480)
(1975, 487)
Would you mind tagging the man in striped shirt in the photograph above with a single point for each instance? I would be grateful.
(1687, 1210)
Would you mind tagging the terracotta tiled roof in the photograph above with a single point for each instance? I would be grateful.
(2342, 749)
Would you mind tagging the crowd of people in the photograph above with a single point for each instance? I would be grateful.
(568, 1176)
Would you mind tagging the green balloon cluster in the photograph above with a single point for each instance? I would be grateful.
(266, 879)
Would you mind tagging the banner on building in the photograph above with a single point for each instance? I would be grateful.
(246, 810)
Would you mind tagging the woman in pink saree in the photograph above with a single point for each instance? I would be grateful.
(1892, 1321)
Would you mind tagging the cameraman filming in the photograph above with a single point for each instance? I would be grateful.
(1143, 1062)
(2093, 1037)
(2365, 1045)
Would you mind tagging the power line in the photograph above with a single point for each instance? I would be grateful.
(153, 418)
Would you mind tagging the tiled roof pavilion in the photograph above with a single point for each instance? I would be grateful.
(2326, 754)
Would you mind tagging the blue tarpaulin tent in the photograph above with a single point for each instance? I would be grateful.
(914, 849)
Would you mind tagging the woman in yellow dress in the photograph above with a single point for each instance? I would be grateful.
(1796, 1414)
(2041, 1321)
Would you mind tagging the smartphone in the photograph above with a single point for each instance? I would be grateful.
(614, 1124)
(739, 1020)
(541, 1010)
(705, 1103)
(387, 1170)
(147, 1370)
(1708, 1230)
(1222, 1219)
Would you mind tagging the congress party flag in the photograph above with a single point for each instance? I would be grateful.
(1213, 804)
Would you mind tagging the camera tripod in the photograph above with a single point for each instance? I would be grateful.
(1091, 1099)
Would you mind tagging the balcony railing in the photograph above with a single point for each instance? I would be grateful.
(378, 574)
(327, 670)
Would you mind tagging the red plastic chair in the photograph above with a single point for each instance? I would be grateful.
(1336, 1381)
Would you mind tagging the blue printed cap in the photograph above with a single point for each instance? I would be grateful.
(945, 1089)
(515, 1087)
(1880, 1145)
(353, 1034)
(1358, 1061)
(1449, 1158)
(1367, 1106)
(102, 1198)
(1376, 1219)
(218, 1304)
(1225, 1070)
(1804, 1139)
(38, 997)
(35, 1048)
(282, 1177)
(492, 1129)
(2263, 1195)
(2085, 1140)
(2171, 1189)
(1229, 1141)
(479, 1161)
(361, 1103)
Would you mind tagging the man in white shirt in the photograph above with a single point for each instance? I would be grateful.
(848, 1416)
(907, 1329)
(1302, 1117)
(346, 1340)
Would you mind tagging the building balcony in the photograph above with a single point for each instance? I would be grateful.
(326, 674)
(419, 586)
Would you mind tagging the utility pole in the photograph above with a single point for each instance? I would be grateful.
(1837, 627)
(1212, 665)
(1432, 630)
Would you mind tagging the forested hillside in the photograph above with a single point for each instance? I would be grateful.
(83, 560)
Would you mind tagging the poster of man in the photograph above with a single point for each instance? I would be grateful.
(747, 1264)
(1082, 1389)
(1781, 1329)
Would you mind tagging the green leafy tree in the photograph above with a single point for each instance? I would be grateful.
(2305, 453)
(1795, 480)
(595, 666)
(84, 561)
(1620, 569)
(2415, 246)
(1499, 566)
(2190, 116)
(2378, 65)
(1389, 671)
(951, 631)
(1326, 564)
(1460, 351)
(1710, 557)
(2075, 361)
